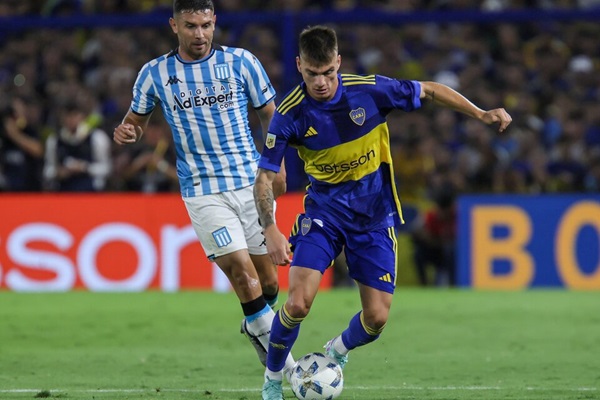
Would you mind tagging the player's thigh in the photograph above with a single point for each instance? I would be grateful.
(371, 258)
(216, 224)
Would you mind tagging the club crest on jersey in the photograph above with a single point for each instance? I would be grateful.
(270, 141)
(305, 225)
(221, 71)
(222, 237)
(358, 116)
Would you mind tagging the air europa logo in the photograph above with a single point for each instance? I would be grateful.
(346, 166)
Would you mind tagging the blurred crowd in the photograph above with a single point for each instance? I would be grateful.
(65, 89)
(54, 7)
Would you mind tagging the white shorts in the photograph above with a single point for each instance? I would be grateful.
(226, 222)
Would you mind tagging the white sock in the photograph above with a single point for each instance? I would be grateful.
(260, 327)
(274, 376)
(338, 345)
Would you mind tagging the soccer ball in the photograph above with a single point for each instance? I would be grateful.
(316, 377)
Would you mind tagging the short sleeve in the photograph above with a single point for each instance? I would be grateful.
(259, 89)
(398, 93)
(144, 93)
(276, 143)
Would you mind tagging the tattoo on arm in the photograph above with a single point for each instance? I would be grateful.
(264, 205)
(430, 96)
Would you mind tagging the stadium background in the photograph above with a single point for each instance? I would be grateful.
(538, 59)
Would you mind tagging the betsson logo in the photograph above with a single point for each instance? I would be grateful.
(346, 166)
(172, 242)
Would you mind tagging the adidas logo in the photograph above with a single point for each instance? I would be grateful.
(173, 80)
(386, 278)
(311, 132)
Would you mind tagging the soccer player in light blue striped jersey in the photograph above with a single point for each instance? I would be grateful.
(337, 122)
(204, 90)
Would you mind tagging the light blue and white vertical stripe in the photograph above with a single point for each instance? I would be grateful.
(205, 103)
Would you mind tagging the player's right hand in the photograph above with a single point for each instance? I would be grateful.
(497, 115)
(127, 134)
(278, 246)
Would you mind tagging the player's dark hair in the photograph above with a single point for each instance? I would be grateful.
(192, 6)
(318, 44)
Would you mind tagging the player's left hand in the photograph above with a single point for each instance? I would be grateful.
(497, 115)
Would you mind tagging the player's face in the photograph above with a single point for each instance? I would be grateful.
(321, 81)
(195, 31)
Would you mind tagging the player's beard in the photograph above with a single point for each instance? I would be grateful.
(196, 51)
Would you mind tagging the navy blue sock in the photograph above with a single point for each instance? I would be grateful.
(284, 332)
(358, 334)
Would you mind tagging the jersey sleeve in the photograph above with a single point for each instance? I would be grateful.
(144, 93)
(259, 89)
(276, 143)
(398, 94)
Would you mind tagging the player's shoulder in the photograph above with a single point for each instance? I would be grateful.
(353, 80)
(156, 62)
(289, 104)
(236, 52)
(373, 85)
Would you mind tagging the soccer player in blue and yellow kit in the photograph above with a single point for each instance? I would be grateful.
(204, 90)
(337, 122)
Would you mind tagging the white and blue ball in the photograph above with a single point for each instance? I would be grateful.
(316, 377)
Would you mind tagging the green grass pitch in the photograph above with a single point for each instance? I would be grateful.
(438, 344)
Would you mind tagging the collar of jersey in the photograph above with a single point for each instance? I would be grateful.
(209, 55)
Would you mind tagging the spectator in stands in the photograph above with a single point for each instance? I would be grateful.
(540, 72)
(149, 165)
(78, 155)
(21, 147)
(434, 239)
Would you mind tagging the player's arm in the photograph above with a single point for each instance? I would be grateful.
(446, 96)
(265, 115)
(277, 244)
(132, 128)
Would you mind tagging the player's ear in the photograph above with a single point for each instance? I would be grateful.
(298, 64)
(173, 24)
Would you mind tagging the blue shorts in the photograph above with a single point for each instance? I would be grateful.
(371, 256)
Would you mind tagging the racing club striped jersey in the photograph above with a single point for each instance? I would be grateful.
(206, 104)
(345, 146)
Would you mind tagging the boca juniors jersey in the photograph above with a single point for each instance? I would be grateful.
(206, 104)
(345, 146)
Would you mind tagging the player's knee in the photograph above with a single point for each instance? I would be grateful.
(297, 309)
(375, 322)
(270, 289)
(241, 279)
(269, 286)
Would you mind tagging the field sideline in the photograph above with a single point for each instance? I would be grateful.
(439, 344)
